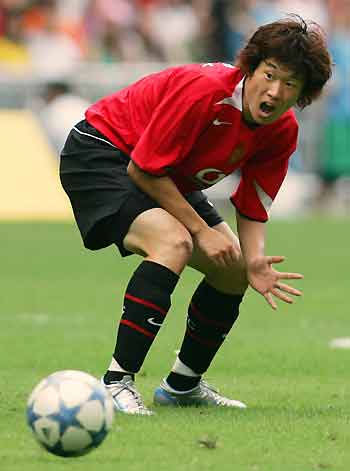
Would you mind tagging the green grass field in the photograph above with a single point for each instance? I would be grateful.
(59, 308)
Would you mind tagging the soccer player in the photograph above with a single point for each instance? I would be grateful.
(134, 171)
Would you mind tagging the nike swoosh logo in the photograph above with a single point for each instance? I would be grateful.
(151, 320)
(217, 122)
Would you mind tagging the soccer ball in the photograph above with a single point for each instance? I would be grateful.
(70, 413)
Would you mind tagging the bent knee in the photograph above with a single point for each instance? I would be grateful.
(231, 280)
(172, 250)
(178, 242)
(165, 241)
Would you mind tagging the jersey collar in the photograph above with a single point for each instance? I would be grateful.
(236, 99)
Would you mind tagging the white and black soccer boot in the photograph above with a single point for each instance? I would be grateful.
(125, 397)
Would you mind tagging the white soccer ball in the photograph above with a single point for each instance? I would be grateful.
(70, 413)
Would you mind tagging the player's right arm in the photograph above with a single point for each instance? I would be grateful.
(163, 190)
(183, 113)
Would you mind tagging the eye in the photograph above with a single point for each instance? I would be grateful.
(268, 75)
(291, 84)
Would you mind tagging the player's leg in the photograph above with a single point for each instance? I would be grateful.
(213, 310)
(110, 209)
(166, 247)
(214, 307)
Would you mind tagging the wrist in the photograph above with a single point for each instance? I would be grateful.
(252, 262)
(197, 229)
(197, 225)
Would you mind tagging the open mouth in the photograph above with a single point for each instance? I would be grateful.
(267, 108)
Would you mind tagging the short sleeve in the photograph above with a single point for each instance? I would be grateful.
(176, 123)
(263, 175)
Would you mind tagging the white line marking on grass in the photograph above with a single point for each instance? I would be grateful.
(41, 318)
(36, 318)
(340, 342)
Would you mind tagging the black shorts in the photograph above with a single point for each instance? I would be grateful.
(104, 199)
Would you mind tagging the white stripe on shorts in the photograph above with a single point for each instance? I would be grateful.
(94, 137)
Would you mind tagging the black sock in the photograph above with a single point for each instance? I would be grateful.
(181, 382)
(146, 303)
(211, 316)
(112, 376)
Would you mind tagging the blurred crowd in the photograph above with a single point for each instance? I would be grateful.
(53, 37)
(60, 33)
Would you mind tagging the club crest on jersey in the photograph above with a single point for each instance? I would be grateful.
(237, 154)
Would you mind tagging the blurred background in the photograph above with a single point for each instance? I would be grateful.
(58, 56)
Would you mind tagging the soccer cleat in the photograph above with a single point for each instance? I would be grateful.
(201, 395)
(125, 397)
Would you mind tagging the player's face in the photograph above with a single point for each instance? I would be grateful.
(269, 92)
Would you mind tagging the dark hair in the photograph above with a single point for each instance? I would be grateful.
(296, 44)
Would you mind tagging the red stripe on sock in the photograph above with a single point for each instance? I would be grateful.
(205, 342)
(208, 321)
(138, 328)
(146, 303)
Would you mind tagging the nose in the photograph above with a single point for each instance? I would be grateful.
(275, 89)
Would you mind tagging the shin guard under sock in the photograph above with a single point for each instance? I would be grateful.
(211, 316)
(146, 303)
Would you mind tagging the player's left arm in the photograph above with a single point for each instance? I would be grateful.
(261, 180)
(260, 273)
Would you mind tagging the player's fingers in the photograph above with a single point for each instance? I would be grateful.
(234, 257)
(288, 289)
(290, 276)
(280, 295)
(222, 260)
(275, 259)
(270, 300)
(230, 257)
(227, 259)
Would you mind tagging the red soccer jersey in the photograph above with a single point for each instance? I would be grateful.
(187, 122)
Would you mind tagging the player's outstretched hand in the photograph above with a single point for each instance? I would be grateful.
(267, 281)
